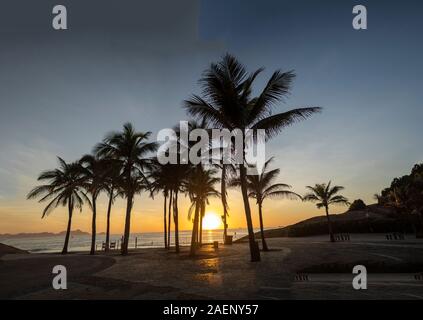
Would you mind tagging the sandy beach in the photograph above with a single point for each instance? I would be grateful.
(226, 273)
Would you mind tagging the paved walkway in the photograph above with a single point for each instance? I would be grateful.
(226, 273)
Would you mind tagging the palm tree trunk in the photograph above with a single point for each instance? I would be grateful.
(164, 221)
(169, 219)
(197, 236)
(200, 235)
(124, 248)
(331, 237)
(68, 230)
(198, 227)
(254, 250)
(265, 248)
(93, 226)
(194, 236)
(109, 210)
(224, 203)
(175, 216)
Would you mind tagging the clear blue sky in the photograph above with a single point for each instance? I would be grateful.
(60, 92)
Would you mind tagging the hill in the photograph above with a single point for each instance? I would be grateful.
(42, 234)
(5, 249)
(374, 218)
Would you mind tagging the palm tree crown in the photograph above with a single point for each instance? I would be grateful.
(65, 187)
(227, 100)
(261, 187)
(325, 195)
(129, 150)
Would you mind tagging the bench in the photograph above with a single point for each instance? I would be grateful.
(342, 237)
(215, 244)
(300, 277)
(112, 245)
(395, 236)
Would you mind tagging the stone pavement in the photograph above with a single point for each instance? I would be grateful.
(295, 268)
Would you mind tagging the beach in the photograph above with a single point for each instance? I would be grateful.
(294, 268)
(82, 242)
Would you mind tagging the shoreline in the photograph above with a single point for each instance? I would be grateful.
(83, 242)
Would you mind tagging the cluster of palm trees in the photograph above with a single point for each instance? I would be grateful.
(125, 164)
(117, 166)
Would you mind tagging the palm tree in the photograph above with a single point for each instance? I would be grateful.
(169, 220)
(129, 149)
(227, 102)
(325, 195)
(169, 178)
(64, 188)
(160, 182)
(94, 173)
(111, 185)
(178, 173)
(200, 186)
(227, 172)
(260, 187)
(224, 196)
(177, 177)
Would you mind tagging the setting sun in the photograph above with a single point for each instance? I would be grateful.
(211, 221)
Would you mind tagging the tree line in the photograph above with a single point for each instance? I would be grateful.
(405, 196)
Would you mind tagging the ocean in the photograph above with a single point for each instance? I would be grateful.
(83, 242)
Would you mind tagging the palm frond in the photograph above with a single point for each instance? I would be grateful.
(339, 200)
(39, 190)
(201, 109)
(283, 194)
(275, 123)
(278, 86)
(51, 205)
(334, 190)
(310, 197)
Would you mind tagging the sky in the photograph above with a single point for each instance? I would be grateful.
(62, 91)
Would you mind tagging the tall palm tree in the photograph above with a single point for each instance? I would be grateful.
(160, 176)
(112, 183)
(169, 217)
(261, 187)
(227, 102)
(224, 196)
(64, 188)
(169, 178)
(227, 173)
(129, 149)
(325, 195)
(178, 175)
(94, 173)
(200, 186)
(179, 172)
